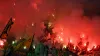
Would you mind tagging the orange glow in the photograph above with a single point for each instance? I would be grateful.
(61, 39)
(84, 44)
(88, 49)
(82, 35)
(74, 47)
(64, 36)
(1, 43)
(70, 41)
(64, 46)
(95, 46)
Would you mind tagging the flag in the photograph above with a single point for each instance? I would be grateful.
(7, 28)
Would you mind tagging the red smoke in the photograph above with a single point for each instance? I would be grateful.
(68, 15)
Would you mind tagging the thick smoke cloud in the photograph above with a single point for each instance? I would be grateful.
(76, 16)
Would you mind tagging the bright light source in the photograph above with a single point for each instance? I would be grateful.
(20, 37)
(1, 43)
(32, 24)
(84, 44)
(50, 24)
(24, 47)
(70, 41)
(95, 46)
(34, 46)
(74, 47)
(64, 46)
(13, 42)
(53, 15)
(88, 49)
(14, 19)
(82, 35)
(61, 39)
